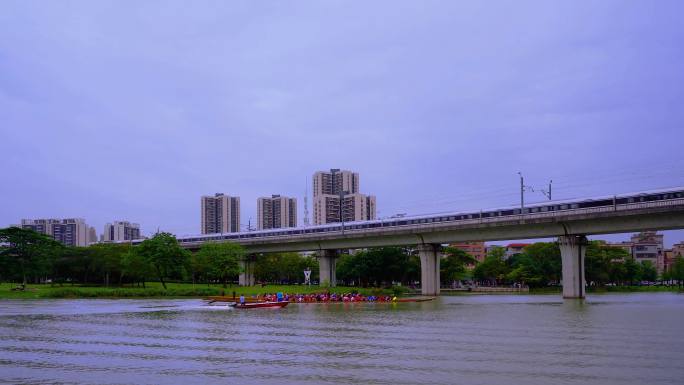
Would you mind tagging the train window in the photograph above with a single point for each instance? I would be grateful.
(574, 206)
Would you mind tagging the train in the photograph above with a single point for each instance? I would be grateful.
(542, 207)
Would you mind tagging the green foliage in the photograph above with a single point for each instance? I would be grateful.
(26, 253)
(453, 266)
(648, 271)
(221, 258)
(493, 268)
(543, 260)
(164, 254)
(135, 267)
(378, 266)
(632, 270)
(284, 268)
(677, 269)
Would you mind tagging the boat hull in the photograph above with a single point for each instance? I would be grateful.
(261, 305)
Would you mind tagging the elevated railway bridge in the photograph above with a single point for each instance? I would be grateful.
(571, 221)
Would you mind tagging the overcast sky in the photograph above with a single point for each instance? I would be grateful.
(131, 110)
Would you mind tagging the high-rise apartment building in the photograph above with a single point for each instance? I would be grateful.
(276, 212)
(336, 198)
(92, 235)
(334, 182)
(121, 231)
(71, 231)
(220, 214)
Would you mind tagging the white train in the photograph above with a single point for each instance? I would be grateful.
(551, 206)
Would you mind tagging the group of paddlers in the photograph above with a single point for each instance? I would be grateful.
(324, 297)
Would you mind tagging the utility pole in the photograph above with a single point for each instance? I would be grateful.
(522, 193)
(548, 193)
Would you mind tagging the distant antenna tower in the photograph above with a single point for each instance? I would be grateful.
(306, 204)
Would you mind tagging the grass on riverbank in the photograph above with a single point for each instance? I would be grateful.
(155, 290)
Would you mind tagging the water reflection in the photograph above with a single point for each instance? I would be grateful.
(497, 339)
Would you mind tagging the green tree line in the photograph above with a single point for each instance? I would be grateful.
(29, 257)
(540, 265)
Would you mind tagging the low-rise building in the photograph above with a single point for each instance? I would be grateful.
(475, 249)
(648, 246)
(514, 249)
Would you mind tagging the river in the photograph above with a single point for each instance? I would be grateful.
(465, 339)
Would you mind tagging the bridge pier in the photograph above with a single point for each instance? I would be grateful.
(573, 249)
(327, 265)
(429, 268)
(246, 277)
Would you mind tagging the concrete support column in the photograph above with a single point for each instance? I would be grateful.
(429, 268)
(327, 266)
(247, 271)
(573, 248)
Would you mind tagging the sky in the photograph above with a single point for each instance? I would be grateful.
(132, 110)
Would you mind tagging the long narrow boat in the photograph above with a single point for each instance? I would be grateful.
(260, 304)
(423, 299)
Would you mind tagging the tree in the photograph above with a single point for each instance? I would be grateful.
(648, 271)
(286, 267)
(135, 267)
(493, 268)
(617, 272)
(378, 265)
(604, 263)
(27, 252)
(108, 259)
(164, 254)
(223, 259)
(677, 270)
(199, 267)
(453, 266)
(632, 270)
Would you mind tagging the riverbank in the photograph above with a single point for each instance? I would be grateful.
(174, 290)
(188, 290)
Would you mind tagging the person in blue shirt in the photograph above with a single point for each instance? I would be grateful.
(242, 299)
(280, 296)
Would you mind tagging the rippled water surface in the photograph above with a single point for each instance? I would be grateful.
(608, 339)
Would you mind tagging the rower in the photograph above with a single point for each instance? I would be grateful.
(242, 299)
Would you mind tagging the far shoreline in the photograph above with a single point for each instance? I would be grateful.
(154, 290)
